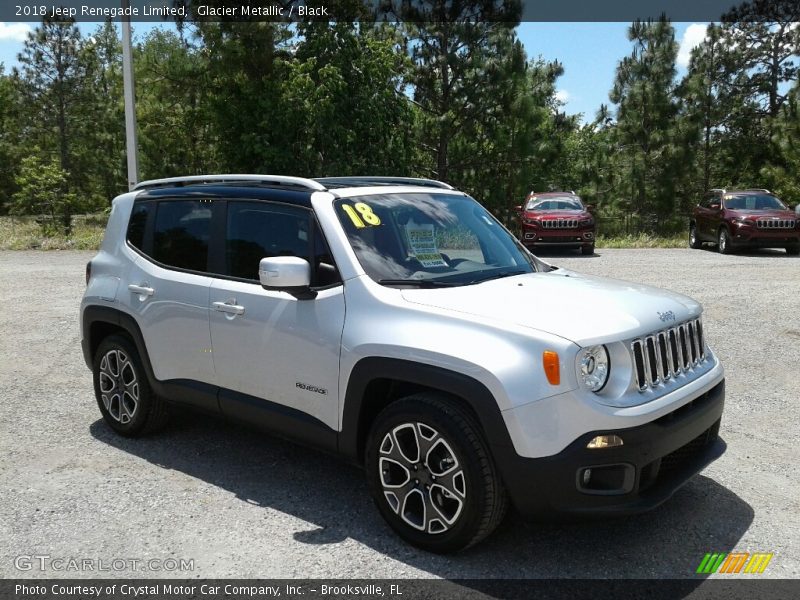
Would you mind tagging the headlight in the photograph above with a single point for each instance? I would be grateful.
(593, 367)
(587, 222)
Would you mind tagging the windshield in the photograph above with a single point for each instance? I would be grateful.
(754, 202)
(430, 239)
(565, 203)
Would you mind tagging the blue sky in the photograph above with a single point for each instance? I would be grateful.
(589, 52)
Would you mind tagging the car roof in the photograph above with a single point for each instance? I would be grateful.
(293, 190)
(745, 192)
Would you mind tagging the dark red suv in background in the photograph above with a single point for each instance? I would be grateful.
(738, 219)
(556, 219)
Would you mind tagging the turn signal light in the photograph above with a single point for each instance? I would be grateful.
(551, 369)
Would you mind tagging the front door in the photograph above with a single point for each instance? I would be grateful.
(274, 350)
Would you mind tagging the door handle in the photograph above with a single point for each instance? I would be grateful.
(142, 290)
(232, 309)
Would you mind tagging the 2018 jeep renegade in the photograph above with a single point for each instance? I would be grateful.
(398, 323)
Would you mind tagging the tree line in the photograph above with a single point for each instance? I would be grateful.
(442, 95)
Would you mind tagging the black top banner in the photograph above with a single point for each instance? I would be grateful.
(297, 11)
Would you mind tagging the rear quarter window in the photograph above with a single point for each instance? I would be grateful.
(137, 223)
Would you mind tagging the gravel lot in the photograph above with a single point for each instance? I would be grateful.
(243, 505)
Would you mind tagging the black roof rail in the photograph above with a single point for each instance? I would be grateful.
(265, 180)
(366, 180)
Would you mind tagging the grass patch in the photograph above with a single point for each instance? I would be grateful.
(642, 240)
(24, 233)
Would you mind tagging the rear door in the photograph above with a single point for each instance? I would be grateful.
(273, 352)
(167, 290)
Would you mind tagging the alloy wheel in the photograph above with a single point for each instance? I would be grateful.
(119, 386)
(421, 477)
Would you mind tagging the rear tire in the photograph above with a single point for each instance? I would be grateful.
(724, 242)
(431, 474)
(126, 401)
(694, 242)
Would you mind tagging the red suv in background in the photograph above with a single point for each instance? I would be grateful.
(736, 219)
(557, 219)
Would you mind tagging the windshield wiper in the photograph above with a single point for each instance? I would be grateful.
(422, 283)
(499, 275)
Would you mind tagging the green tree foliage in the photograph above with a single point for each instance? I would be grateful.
(52, 77)
(10, 137)
(42, 190)
(176, 126)
(446, 90)
(649, 151)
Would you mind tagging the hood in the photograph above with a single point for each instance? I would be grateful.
(582, 308)
(557, 214)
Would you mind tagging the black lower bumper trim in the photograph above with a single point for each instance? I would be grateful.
(661, 455)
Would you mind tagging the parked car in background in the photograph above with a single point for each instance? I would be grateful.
(738, 219)
(557, 219)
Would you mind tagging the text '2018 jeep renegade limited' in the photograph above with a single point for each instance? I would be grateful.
(396, 322)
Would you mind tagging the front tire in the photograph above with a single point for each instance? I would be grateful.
(694, 242)
(126, 401)
(587, 250)
(431, 474)
(724, 242)
(793, 250)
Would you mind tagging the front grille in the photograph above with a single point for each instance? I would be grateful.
(560, 224)
(664, 354)
(776, 223)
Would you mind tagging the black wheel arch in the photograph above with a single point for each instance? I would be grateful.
(375, 382)
(101, 321)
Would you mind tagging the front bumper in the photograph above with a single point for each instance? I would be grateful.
(760, 238)
(655, 460)
(536, 238)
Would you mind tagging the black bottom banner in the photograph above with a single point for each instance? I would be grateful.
(399, 589)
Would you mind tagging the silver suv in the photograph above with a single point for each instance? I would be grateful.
(397, 323)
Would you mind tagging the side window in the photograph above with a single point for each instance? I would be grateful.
(137, 223)
(181, 234)
(257, 230)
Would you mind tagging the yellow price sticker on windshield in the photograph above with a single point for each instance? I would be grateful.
(361, 215)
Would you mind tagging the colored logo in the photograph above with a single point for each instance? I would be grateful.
(735, 562)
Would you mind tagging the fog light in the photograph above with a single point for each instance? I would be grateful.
(587, 476)
(604, 441)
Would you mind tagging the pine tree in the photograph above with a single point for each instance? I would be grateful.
(650, 157)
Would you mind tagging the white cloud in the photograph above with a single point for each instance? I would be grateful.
(562, 96)
(17, 32)
(692, 37)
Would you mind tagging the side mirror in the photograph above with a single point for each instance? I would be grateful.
(714, 206)
(518, 209)
(287, 273)
(589, 208)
